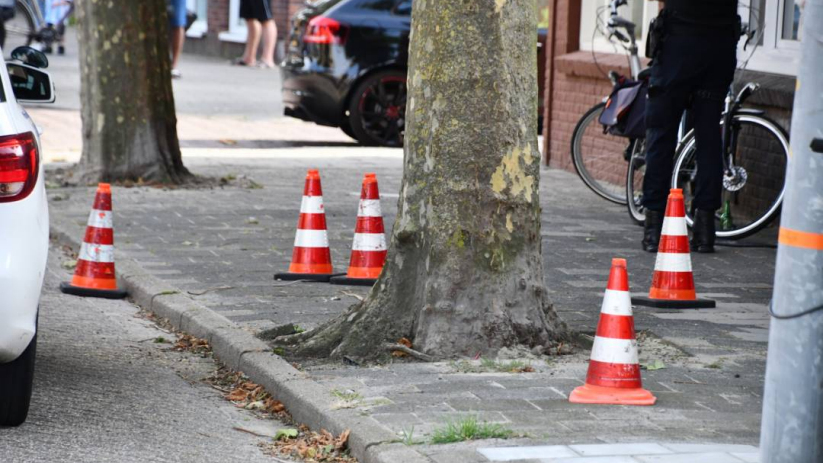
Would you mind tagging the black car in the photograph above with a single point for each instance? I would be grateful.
(346, 67)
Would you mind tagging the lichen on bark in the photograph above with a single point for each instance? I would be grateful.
(464, 270)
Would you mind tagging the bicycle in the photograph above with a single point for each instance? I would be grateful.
(755, 152)
(23, 28)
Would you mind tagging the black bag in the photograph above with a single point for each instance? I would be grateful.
(625, 111)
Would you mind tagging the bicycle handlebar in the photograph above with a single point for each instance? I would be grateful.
(618, 22)
(615, 4)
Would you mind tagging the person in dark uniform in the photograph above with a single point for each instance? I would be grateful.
(692, 66)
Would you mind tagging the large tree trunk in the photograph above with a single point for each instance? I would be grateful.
(464, 271)
(129, 122)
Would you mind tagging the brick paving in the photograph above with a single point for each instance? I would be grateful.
(223, 245)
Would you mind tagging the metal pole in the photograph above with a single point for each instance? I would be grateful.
(792, 428)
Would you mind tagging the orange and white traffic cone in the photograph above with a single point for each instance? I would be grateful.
(614, 370)
(368, 251)
(311, 259)
(673, 280)
(94, 275)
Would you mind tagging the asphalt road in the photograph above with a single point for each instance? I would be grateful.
(105, 391)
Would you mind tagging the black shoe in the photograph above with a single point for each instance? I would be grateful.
(703, 231)
(61, 50)
(651, 230)
(47, 50)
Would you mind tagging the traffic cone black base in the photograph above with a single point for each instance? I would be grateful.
(344, 280)
(67, 288)
(673, 304)
(319, 277)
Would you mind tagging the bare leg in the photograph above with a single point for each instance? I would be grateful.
(269, 41)
(252, 40)
(178, 36)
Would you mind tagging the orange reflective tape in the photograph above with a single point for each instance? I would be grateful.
(800, 239)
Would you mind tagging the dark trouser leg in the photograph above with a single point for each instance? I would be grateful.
(707, 108)
(664, 109)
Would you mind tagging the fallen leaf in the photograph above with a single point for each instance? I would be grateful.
(654, 365)
(228, 142)
(343, 439)
(288, 433)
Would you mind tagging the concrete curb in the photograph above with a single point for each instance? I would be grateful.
(308, 402)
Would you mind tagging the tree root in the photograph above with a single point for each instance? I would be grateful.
(409, 351)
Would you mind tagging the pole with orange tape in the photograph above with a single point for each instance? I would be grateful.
(792, 423)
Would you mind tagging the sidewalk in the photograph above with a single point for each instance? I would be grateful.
(221, 247)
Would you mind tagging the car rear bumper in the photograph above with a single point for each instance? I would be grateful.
(23, 252)
(312, 94)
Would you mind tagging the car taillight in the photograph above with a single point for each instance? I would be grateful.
(18, 166)
(325, 30)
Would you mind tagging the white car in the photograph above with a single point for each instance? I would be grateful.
(24, 228)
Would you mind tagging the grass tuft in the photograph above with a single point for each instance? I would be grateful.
(348, 396)
(468, 429)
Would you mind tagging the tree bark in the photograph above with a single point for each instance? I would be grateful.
(464, 270)
(129, 121)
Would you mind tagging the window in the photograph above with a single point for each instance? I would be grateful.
(640, 12)
(200, 26)
(237, 26)
(778, 25)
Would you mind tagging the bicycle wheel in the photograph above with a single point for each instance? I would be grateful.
(634, 182)
(596, 157)
(20, 30)
(753, 189)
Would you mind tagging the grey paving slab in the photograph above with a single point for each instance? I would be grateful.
(620, 449)
(607, 459)
(710, 457)
(522, 453)
(706, 448)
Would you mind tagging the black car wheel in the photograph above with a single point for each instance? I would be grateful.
(16, 380)
(377, 112)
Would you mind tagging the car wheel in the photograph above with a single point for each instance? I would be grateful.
(16, 380)
(378, 109)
